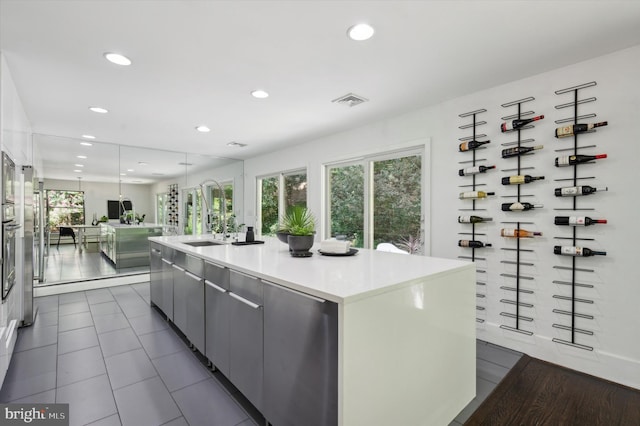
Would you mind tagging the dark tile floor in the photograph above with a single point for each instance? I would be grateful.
(116, 361)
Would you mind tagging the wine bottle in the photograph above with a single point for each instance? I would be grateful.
(574, 129)
(475, 194)
(577, 220)
(471, 145)
(516, 207)
(519, 179)
(577, 251)
(519, 233)
(573, 191)
(472, 244)
(473, 219)
(570, 160)
(517, 124)
(473, 170)
(519, 150)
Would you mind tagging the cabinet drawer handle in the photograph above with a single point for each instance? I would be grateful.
(190, 275)
(245, 275)
(290, 290)
(155, 251)
(243, 300)
(173, 265)
(168, 262)
(214, 286)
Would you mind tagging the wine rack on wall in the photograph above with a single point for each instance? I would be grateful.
(172, 205)
(571, 303)
(514, 281)
(471, 229)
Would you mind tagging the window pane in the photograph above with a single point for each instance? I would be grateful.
(64, 208)
(295, 190)
(347, 203)
(160, 199)
(269, 205)
(188, 212)
(228, 201)
(397, 198)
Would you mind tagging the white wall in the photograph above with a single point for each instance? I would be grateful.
(15, 139)
(96, 195)
(616, 354)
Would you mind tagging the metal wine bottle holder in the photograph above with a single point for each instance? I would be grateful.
(517, 289)
(573, 299)
(474, 125)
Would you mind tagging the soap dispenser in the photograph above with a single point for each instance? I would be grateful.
(249, 237)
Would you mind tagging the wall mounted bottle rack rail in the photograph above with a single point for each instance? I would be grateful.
(475, 123)
(574, 285)
(517, 289)
(172, 205)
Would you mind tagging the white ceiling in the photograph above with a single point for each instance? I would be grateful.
(195, 62)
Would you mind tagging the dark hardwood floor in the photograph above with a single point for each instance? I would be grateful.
(536, 392)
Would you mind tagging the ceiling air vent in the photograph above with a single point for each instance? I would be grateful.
(350, 100)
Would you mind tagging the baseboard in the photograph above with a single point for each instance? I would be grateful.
(62, 288)
(616, 368)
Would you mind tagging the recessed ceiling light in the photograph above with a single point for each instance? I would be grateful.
(79, 165)
(129, 170)
(260, 94)
(117, 59)
(88, 136)
(81, 156)
(123, 174)
(86, 144)
(77, 171)
(142, 163)
(203, 129)
(185, 164)
(360, 32)
(99, 110)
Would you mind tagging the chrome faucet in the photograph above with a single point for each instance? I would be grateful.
(209, 204)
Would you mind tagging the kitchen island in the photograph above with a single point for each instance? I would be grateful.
(372, 339)
(127, 245)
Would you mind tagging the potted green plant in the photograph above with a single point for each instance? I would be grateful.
(299, 225)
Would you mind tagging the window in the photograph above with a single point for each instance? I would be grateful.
(64, 208)
(195, 209)
(277, 194)
(161, 208)
(377, 200)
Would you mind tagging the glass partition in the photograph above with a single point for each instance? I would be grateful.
(140, 181)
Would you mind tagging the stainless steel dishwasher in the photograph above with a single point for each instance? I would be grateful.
(246, 336)
(300, 358)
(217, 302)
(188, 302)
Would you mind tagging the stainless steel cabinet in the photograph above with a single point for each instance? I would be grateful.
(161, 277)
(300, 358)
(188, 297)
(155, 274)
(166, 279)
(217, 302)
(246, 336)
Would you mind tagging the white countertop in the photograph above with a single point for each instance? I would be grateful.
(339, 279)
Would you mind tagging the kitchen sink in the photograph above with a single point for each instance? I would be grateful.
(202, 243)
